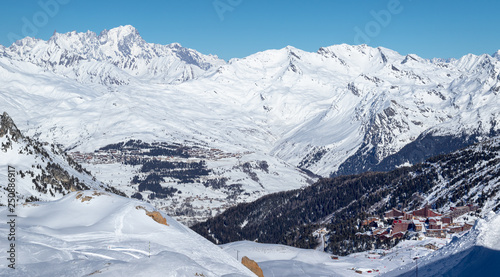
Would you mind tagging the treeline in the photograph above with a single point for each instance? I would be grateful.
(156, 171)
(181, 171)
(152, 183)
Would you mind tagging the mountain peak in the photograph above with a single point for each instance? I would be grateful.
(124, 30)
(496, 55)
(120, 35)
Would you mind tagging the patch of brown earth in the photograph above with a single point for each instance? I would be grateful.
(85, 198)
(252, 265)
(88, 198)
(156, 216)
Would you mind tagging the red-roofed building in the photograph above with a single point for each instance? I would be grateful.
(426, 212)
(394, 213)
(400, 226)
(447, 219)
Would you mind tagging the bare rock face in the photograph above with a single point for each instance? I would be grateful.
(252, 265)
(7, 126)
(156, 216)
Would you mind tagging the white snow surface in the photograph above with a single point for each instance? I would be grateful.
(107, 235)
(281, 260)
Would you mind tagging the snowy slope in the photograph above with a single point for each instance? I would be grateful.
(282, 260)
(101, 234)
(475, 254)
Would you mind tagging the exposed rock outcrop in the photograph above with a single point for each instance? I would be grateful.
(88, 198)
(7, 126)
(156, 216)
(252, 265)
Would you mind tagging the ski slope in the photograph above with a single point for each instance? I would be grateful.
(282, 260)
(101, 234)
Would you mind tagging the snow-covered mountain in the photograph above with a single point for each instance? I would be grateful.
(343, 109)
(116, 56)
(102, 234)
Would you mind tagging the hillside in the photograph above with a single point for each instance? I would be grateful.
(467, 176)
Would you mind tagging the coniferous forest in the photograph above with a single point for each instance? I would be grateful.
(340, 204)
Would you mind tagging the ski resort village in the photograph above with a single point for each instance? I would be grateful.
(424, 222)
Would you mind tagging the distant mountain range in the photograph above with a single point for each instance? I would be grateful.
(341, 110)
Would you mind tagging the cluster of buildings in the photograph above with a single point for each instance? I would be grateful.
(119, 156)
(105, 156)
(212, 153)
(425, 221)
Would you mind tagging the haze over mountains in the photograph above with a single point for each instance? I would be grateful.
(341, 110)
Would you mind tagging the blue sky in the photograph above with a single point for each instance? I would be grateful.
(238, 28)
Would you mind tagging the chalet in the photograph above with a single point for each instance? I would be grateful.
(431, 246)
(468, 226)
(458, 211)
(400, 226)
(455, 229)
(434, 223)
(418, 226)
(458, 229)
(394, 213)
(408, 216)
(380, 232)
